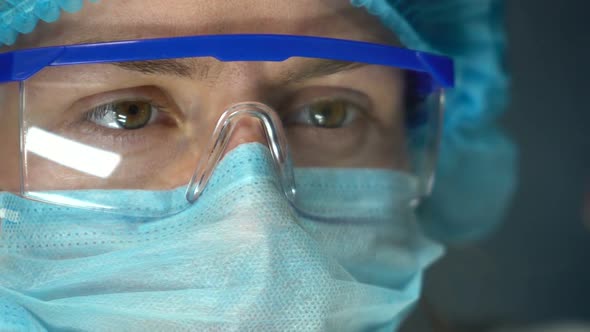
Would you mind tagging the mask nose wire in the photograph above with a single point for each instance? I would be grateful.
(217, 146)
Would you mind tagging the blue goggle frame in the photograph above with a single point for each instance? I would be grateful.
(22, 64)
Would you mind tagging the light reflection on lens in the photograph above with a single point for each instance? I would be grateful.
(75, 155)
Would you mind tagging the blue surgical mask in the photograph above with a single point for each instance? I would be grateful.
(239, 259)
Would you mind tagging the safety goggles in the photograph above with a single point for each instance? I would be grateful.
(160, 114)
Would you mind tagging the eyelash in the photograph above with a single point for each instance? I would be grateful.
(302, 102)
(89, 131)
(102, 111)
(301, 114)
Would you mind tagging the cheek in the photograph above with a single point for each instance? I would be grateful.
(9, 138)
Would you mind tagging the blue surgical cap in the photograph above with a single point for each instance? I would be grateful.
(21, 16)
(476, 171)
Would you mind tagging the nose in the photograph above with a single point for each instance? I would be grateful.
(246, 130)
(245, 123)
(243, 101)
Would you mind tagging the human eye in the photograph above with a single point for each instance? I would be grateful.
(329, 113)
(328, 109)
(122, 120)
(329, 125)
(125, 114)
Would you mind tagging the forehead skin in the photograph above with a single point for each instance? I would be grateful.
(133, 19)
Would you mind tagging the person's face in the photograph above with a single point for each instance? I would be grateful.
(65, 100)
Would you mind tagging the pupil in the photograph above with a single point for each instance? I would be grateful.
(133, 115)
(133, 109)
(329, 114)
(320, 118)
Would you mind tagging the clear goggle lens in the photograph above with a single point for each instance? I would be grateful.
(164, 125)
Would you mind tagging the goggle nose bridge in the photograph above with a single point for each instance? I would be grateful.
(275, 139)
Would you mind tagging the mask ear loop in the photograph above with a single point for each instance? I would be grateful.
(275, 138)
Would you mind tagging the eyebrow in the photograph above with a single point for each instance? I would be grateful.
(185, 68)
(172, 67)
(320, 68)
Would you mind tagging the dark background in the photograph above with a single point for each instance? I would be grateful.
(536, 268)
